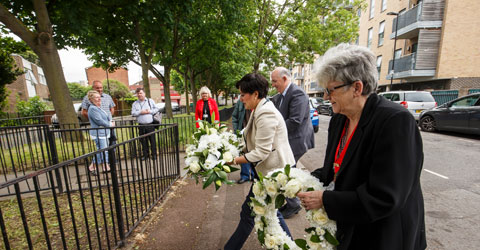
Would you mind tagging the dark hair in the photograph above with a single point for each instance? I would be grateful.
(138, 90)
(253, 82)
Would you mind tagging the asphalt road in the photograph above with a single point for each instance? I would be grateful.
(450, 182)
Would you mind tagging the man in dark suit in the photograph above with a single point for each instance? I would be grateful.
(292, 102)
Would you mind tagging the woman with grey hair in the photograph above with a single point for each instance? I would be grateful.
(373, 159)
(206, 107)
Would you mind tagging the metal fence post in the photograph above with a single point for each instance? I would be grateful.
(52, 150)
(116, 196)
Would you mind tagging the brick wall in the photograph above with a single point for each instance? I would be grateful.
(93, 74)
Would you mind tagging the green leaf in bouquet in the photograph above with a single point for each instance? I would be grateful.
(260, 176)
(310, 229)
(315, 238)
(275, 174)
(285, 246)
(229, 182)
(264, 220)
(213, 117)
(268, 200)
(221, 174)
(287, 170)
(199, 154)
(209, 181)
(233, 169)
(261, 236)
(255, 202)
(279, 201)
(205, 152)
(301, 243)
(310, 189)
(330, 238)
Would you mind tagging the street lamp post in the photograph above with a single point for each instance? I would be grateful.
(394, 47)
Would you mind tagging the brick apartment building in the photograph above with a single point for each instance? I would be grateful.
(32, 83)
(94, 73)
(437, 45)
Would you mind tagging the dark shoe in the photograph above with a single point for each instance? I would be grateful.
(289, 212)
(93, 172)
(241, 181)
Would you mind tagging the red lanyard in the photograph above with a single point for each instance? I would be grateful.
(339, 158)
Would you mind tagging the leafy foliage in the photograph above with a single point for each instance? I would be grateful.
(116, 89)
(33, 107)
(77, 91)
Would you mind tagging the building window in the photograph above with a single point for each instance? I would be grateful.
(384, 5)
(381, 33)
(372, 8)
(379, 65)
(41, 77)
(369, 41)
(398, 53)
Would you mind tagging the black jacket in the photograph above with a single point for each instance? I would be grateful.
(377, 202)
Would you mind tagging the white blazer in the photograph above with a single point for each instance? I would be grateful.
(266, 139)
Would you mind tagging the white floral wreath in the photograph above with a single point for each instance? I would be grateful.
(270, 192)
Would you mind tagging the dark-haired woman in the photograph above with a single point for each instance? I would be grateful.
(266, 147)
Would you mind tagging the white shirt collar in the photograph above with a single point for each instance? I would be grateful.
(286, 89)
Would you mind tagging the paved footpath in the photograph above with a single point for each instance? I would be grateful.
(193, 218)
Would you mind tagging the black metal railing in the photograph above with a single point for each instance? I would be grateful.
(65, 206)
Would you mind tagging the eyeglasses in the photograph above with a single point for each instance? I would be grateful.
(330, 91)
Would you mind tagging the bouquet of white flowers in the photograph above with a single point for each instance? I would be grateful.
(213, 146)
(270, 192)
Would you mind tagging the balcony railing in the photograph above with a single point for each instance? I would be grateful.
(427, 14)
(406, 67)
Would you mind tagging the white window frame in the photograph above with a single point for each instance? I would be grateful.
(398, 53)
(369, 38)
(372, 8)
(379, 65)
(381, 33)
(384, 5)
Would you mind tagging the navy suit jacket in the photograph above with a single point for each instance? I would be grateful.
(296, 113)
(377, 202)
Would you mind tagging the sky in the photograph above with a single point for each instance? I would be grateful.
(74, 62)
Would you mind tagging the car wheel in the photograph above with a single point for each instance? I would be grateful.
(427, 123)
(315, 129)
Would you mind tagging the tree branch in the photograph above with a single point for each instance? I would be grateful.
(17, 27)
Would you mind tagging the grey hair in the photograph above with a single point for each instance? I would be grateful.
(283, 72)
(348, 63)
(204, 89)
(91, 93)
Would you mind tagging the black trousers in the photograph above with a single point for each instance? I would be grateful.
(149, 141)
(246, 225)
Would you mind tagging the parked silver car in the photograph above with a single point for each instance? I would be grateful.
(414, 101)
(78, 109)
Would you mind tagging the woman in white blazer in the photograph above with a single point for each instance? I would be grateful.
(266, 146)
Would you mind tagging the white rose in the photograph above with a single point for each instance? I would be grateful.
(194, 167)
(258, 210)
(258, 190)
(320, 217)
(292, 188)
(258, 223)
(227, 157)
(271, 241)
(271, 187)
(213, 131)
(282, 179)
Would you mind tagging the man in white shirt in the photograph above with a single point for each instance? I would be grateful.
(144, 109)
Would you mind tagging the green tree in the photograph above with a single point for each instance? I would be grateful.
(33, 107)
(294, 30)
(77, 91)
(116, 89)
(31, 21)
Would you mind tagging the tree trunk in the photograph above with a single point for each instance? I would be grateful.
(193, 88)
(166, 91)
(187, 101)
